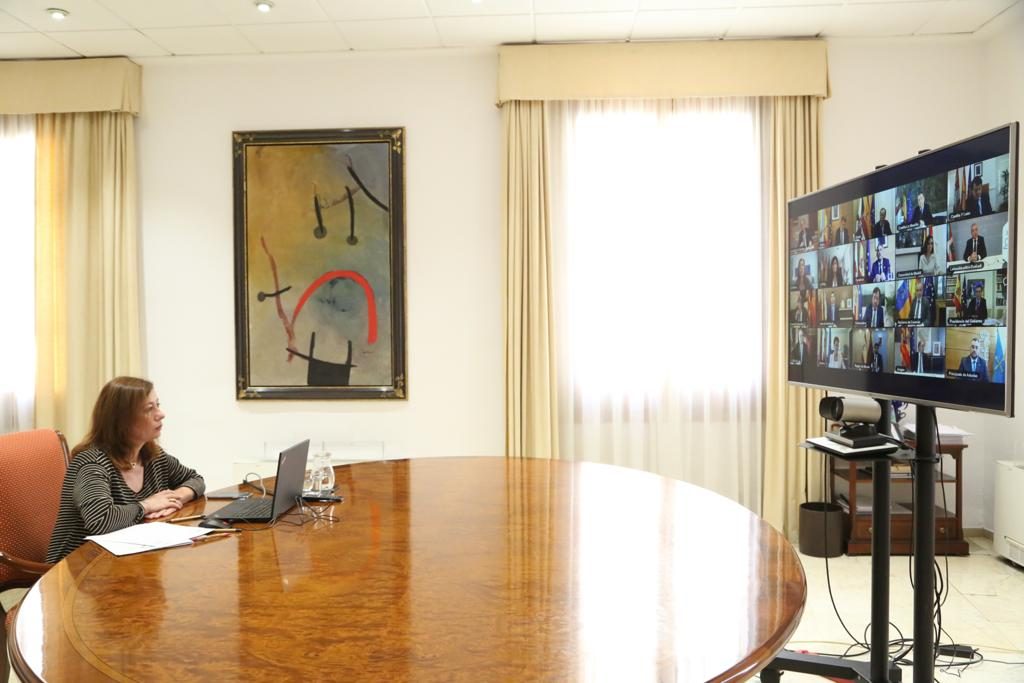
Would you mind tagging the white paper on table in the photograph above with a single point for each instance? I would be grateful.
(945, 431)
(140, 538)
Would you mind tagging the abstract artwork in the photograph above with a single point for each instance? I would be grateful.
(319, 263)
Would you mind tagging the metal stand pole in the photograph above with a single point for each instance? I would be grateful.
(881, 532)
(924, 545)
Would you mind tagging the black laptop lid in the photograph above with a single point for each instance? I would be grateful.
(291, 470)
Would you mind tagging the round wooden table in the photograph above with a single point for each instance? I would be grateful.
(446, 569)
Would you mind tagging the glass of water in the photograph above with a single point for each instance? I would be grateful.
(311, 480)
(325, 473)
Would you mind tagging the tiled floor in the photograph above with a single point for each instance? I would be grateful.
(984, 609)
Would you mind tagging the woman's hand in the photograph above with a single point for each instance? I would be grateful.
(184, 494)
(162, 504)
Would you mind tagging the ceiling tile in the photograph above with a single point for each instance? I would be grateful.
(474, 31)
(127, 43)
(888, 19)
(390, 34)
(202, 40)
(594, 26)
(83, 15)
(453, 8)
(241, 12)
(311, 37)
(9, 24)
(698, 23)
(688, 4)
(567, 6)
(167, 14)
(800, 3)
(964, 16)
(347, 10)
(781, 22)
(32, 45)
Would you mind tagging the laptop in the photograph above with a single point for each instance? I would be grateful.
(291, 469)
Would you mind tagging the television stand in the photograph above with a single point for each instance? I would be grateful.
(879, 668)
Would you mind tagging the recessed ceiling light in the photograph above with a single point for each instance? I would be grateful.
(57, 14)
(264, 6)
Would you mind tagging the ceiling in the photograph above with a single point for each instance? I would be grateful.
(156, 28)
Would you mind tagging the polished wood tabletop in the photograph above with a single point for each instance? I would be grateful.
(436, 569)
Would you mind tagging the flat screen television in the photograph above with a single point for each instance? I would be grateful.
(901, 281)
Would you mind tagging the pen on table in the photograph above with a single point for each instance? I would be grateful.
(207, 537)
(230, 530)
(186, 519)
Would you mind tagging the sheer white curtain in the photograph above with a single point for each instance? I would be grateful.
(17, 271)
(658, 216)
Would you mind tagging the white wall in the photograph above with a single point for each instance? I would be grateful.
(445, 100)
(1004, 60)
(892, 98)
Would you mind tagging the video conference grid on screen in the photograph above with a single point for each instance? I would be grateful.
(908, 282)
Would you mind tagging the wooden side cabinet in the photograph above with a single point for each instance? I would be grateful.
(949, 531)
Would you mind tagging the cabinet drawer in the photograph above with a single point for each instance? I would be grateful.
(902, 528)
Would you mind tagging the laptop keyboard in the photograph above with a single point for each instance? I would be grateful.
(247, 508)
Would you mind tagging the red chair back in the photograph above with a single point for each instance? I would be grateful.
(32, 467)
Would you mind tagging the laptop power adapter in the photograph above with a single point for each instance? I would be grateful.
(961, 651)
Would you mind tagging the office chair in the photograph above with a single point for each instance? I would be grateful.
(32, 467)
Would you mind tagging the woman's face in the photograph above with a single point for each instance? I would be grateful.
(149, 420)
(835, 265)
(929, 245)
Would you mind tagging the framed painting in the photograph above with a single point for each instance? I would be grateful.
(319, 264)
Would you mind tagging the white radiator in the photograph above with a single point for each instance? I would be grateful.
(1008, 525)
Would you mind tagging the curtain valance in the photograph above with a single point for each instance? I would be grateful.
(721, 68)
(58, 86)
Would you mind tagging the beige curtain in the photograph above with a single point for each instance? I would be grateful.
(87, 263)
(792, 412)
(531, 400)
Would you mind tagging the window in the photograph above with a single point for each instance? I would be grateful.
(17, 272)
(658, 224)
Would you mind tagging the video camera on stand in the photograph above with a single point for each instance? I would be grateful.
(860, 418)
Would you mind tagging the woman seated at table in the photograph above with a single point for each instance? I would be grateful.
(118, 475)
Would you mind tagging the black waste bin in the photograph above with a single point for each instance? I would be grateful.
(822, 531)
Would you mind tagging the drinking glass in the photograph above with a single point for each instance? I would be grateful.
(311, 480)
(326, 474)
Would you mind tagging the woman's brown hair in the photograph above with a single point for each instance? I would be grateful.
(117, 408)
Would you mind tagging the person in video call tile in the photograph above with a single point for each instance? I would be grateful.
(800, 312)
(921, 213)
(918, 357)
(976, 307)
(800, 276)
(974, 364)
(858, 234)
(803, 238)
(835, 359)
(874, 315)
(923, 307)
(978, 202)
(835, 273)
(832, 310)
(927, 261)
(842, 235)
(881, 269)
(882, 227)
(875, 362)
(975, 249)
(799, 351)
